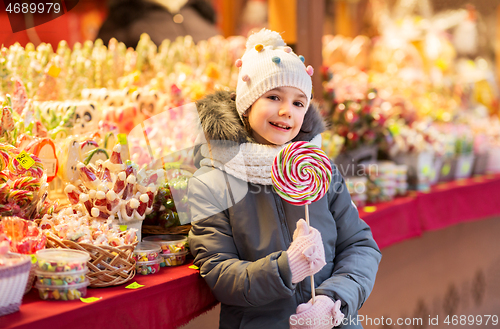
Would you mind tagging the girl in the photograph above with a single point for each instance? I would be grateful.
(242, 234)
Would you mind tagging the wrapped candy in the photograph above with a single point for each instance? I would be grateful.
(112, 189)
(74, 225)
(22, 190)
(25, 237)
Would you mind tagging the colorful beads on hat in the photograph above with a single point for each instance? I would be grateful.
(302, 58)
(287, 49)
(259, 47)
(276, 59)
(310, 70)
(238, 62)
(245, 78)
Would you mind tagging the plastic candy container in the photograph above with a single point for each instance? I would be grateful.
(146, 251)
(62, 292)
(56, 260)
(357, 189)
(175, 259)
(61, 278)
(149, 267)
(169, 243)
(401, 183)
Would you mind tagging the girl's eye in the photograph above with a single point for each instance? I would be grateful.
(273, 97)
(298, 104)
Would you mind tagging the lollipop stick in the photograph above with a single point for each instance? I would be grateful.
(313, 292)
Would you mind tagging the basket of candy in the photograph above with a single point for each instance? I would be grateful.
(111, 250)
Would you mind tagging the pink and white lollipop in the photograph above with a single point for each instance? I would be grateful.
(301, 173)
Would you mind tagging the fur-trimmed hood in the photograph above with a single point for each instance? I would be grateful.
(220, 120)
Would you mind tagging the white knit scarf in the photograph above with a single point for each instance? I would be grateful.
(248, 161)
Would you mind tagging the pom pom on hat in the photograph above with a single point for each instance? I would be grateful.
(266, 38)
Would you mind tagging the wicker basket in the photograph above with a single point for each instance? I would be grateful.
(154, 230)
(13, 283)
(31, 278)
(108, 266)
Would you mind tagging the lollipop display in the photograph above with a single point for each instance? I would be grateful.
(22, 184)
(301, 174)
(112, 188)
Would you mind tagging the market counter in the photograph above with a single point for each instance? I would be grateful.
(178, 294)
(444, 205)
(168, 299)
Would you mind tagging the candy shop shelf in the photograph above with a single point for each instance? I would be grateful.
(168, 299)
(444, 205)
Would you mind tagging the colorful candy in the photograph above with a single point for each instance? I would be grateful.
(26, 183)
(17, 170)
(62, 292)
(170, 244)
(25, 237)
(149, 267)
(112, 189)
(61, 279)
(5, 150)
(175, 259)
(54, 260)
(70, 224)
(145, 251)
(301, 173)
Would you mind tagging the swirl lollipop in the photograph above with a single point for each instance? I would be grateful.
(17, 170)
(301, 175)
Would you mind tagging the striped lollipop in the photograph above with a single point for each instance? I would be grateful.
(301, 173)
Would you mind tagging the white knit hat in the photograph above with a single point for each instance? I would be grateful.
(269, 63)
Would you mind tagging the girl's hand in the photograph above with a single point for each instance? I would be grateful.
(323, 314)
(306, 254)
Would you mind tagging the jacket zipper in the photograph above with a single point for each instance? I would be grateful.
(288, 239)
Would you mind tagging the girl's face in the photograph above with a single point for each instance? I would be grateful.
(276, 117)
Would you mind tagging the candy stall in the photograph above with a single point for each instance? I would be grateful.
(97, 149)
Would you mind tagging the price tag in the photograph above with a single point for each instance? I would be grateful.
(122, 139)
(33, 259)
(90, 299)
(25, 160)
(194, 267)
(426, 169)
(134, 285)
(369, 209)
(123, 227)
(445, 170)
(394, 129)
(54, 71)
